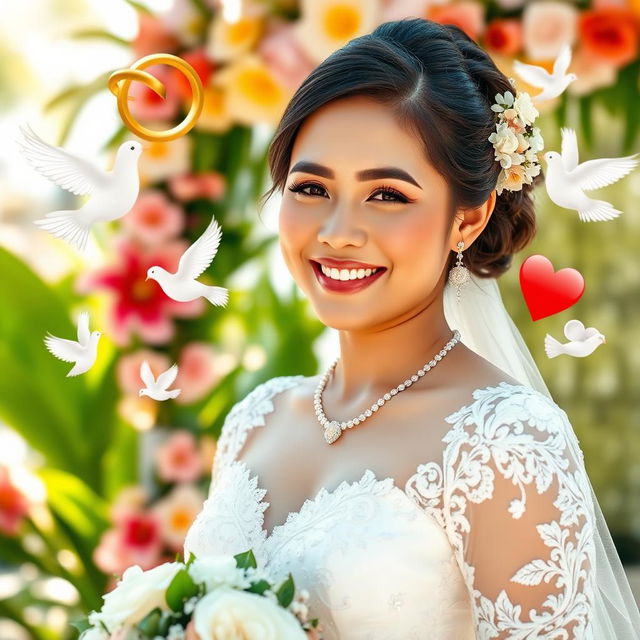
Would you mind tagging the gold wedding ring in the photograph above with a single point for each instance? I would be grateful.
(120, 81)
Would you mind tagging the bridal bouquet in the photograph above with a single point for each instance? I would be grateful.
(211, 598)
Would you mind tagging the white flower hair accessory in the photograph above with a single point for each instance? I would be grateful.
(516, 141)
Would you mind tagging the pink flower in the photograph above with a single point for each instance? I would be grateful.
(210, 185)
(176, 512)
(546, 27)
(197, 372)
(136, 539)
(178, 459)
(398, 9)
(154, 219)
(14, 505)
(504, 36)
(147, 105)
(284, 57)
(140, 306)
(467, 15)
(128, 368)
(153, 36)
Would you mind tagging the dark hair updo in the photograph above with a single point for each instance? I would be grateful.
(441, 85)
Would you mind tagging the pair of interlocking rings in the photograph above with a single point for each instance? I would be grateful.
(120, 82)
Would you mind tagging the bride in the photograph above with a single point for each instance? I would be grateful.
(426, 485)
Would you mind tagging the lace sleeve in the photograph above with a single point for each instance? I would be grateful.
(244, 415)
(519, 515)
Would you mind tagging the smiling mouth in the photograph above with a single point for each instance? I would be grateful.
(345, 286)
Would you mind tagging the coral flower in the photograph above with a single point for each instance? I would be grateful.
(467, 15)
(197, 58)
(610, 34)
(210, 185)
(140, 306)
(14, 506)
(153, 36)
(504, 36)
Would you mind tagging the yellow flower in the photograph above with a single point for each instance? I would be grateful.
(215, 115)
(253, 95)
(326, 25)
(229, 40)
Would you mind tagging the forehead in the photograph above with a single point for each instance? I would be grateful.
(359, 133)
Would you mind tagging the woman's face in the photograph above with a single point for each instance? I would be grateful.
(372, 198)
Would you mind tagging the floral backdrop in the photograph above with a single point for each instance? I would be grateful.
(110, 478)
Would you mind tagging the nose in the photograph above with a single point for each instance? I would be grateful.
(342, 227)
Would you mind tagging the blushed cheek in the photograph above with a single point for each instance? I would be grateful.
(417, 249)
(294, 234)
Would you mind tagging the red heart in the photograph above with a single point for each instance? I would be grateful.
(547, 292)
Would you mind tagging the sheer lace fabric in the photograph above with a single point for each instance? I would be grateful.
(491, 540)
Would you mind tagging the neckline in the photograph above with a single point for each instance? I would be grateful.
(368, 474)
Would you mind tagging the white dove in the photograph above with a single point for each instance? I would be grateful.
(113, 193)
(182, 285)
(582, 342)
(83, 352)
(552, 84)
(565, 179)
(157, 389)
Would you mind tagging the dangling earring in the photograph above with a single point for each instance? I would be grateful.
(459, 275)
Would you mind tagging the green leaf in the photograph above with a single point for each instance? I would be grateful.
(150, 623)
(81, 625)
(286, 592)
(258, 587)
(182, 588)
(36, 397)
(100, 34)
(245, 560)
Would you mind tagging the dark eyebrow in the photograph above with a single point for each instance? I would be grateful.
(368, 174)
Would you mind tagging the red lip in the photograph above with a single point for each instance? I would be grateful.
(345, 286)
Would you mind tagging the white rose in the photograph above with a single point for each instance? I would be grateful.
(525, 108)
(218, 570)
(504, 139)
(536, 142)
(138, 593)
(229, 613)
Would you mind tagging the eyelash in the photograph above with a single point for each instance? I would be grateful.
(297, 187)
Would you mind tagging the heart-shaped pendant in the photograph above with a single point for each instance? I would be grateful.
(332, 431)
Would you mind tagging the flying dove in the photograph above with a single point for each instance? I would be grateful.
(582, 342)
(113, 193)
(157, 389)
(552, 84)
(566, 180)
(83, 352)
(182, 285)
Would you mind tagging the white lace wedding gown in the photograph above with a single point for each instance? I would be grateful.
(490, 540)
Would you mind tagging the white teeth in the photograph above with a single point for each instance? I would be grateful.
(347, 274)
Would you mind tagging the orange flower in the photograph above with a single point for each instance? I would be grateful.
(504, 36)
(610, 34)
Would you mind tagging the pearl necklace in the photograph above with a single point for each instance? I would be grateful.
(333, 429)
